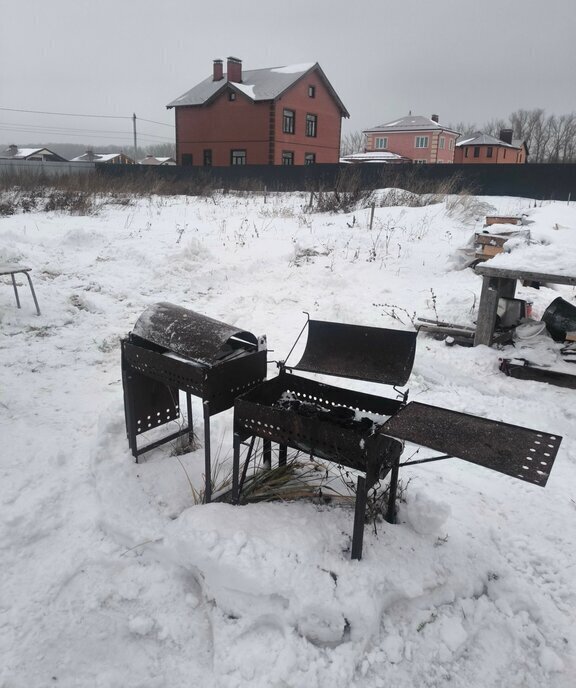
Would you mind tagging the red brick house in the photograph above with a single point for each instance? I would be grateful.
(486, 149)
(421, 139)
(276, 116)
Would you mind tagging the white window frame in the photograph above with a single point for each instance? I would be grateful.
(381, 142)
(421, 142)
(442, 142)
(451, 144)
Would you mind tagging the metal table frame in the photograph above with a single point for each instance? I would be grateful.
(501, 283)
(12, 269)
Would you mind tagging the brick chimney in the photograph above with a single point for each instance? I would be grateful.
(12, 150)
(506, 135)
(435, 118)
(218, 70)
(234, 70)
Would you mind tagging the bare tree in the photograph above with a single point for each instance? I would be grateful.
(353, 142)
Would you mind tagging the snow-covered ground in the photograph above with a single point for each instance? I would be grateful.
(113, 577)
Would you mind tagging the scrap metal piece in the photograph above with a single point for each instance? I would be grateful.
(510, 449)
(371, 354)
(524, 370)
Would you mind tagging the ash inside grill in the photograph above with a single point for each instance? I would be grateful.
(341, 416)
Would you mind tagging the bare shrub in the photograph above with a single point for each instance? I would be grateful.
(349, 193)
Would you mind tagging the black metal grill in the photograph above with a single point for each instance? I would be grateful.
(171, 349)
(364, 431)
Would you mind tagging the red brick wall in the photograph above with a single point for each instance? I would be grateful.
(326, 143)
(404, 143)
(500, 155)
(224, 125)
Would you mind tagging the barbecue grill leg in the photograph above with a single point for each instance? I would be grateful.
(207, 466)
(267, 454)
(236, 469)
(392, 490)
(359, 514)
(190, 419)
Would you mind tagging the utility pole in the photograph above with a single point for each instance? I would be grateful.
(135, 144)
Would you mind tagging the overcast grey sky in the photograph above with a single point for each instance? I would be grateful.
(470, 60)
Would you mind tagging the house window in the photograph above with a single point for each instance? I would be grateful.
(451, 144)
(288, 121)
(207, 157)
(442, 143)
(381, 142)
(489, 152)
(287, 158)
(309, 158)
(238, 157)
(476, 151)
(466, 152)
(187, 159)
(421, 162)
(421, 142)
(504, 152)
(311, 125)
(311, 91)
(231, 95)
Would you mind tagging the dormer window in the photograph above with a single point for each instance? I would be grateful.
(231, 95)
(311, 91)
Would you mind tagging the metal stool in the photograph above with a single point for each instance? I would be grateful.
(13, 269)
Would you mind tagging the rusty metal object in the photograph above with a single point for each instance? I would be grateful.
(510, 449)
(373, 354)
(173, 349)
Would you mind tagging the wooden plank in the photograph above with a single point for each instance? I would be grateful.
(509, 273)
(487, 312)
(502, 220)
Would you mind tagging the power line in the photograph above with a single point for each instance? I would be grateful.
(154, 122)
(65, 114)
(71, 114)
(39, 128)
(118, 137)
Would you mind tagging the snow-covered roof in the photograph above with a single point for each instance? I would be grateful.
(154, 160)
(23, 153)
(97, 157)
(375, 156)
(480, 139)
(257, 84)
(410, 123)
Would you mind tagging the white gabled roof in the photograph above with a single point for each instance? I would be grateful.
(257, 84)
(409, 123)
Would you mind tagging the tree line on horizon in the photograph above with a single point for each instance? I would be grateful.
(550, 138)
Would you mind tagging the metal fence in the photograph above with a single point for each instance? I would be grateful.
(39, 168)
(538, 181)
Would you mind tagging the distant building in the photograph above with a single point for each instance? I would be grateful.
(108, 158)
(39, 154)
(420, 139)
(153, 160)
(483, 148)
(275, 116)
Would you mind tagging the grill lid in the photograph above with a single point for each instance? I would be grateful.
(192, 335)
(373, 354)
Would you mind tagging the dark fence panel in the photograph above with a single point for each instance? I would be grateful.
(538, 181)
